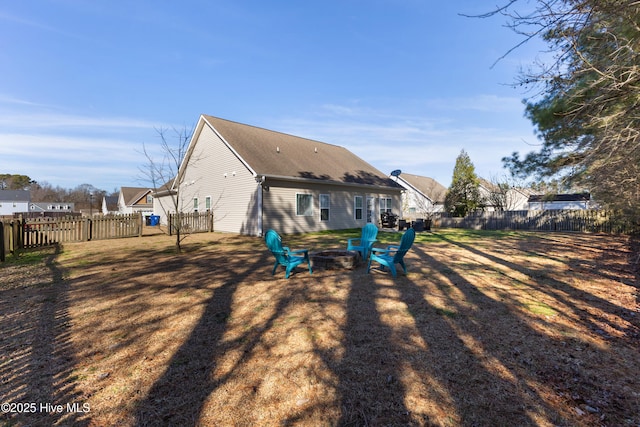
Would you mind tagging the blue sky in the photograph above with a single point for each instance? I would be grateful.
(403, 84)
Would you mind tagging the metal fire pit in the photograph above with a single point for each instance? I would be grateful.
(335, 259)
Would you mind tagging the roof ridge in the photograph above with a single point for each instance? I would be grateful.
(274, 131)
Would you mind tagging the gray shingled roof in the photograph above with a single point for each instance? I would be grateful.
(427, 186)
(15, 195)
(278, 154)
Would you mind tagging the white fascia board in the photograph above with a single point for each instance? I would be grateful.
(187, 155)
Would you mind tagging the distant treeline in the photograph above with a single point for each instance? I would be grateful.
(83, 195)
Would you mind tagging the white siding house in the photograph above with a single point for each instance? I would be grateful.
(253, 179)
(14, 201)
(422, 197)
(134, 200)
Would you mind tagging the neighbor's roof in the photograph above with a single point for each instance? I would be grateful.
(574, 197)
(15, 195)
(132, 195)
(275, 154)
(427, 186)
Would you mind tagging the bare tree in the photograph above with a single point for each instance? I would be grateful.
(504, 193)
(429, 205)
(163, 175)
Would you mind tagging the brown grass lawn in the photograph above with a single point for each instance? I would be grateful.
(486, 329)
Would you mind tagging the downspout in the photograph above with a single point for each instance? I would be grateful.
(260, 180)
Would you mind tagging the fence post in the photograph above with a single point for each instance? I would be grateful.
(18, 235)
(2, 243)
(140, 224)
(85, 230)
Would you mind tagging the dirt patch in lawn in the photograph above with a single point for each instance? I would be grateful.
(485, 329)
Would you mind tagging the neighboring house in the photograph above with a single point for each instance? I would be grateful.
(56, 207)
(518, 199)
(110, 205)
(14, 201)
(254, 179)
(423, 196)
(135, 199)
(491, 194)
(559, 201)
(502, 197)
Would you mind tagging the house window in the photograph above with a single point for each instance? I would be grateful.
(385, 204)
(357, 207)
(207, 203)
(324, 207)
(149, 199)
(304, 205)
(370, 207)
(195, 204)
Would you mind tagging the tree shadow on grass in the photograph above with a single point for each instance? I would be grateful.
(565, 294)
(369, 386)
(195, 360)
(485, 386)
(37, 354)
(567, 370)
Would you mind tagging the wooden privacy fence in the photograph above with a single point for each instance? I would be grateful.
(595, 221)
(196, 222)
(30, 233)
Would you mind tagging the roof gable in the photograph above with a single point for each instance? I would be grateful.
(426, 185)
(131, 195)
(111, 202)
(277, 154)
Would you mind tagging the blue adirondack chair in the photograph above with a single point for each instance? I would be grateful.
(365, 241)
(284, 256)
(393, 254)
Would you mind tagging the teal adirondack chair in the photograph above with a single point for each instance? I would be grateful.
(365, 241)
(393, 254)
(284, 256)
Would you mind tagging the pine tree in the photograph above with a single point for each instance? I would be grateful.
(463, 195)
(588, 114)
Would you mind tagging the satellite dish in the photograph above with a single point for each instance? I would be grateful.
(396, 172)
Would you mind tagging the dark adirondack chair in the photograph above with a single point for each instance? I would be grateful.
(393, 254)
(284, 256)
(364, 243)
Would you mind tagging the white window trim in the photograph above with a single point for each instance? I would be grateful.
(356, 208)
(296, 207)
(328, 207)
(383, 204)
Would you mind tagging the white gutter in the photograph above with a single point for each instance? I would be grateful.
(325, 181)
